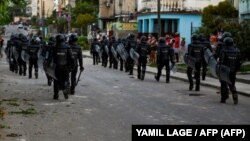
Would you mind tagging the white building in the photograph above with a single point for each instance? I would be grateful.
(244, 9)
(32, 8)
(169, 5)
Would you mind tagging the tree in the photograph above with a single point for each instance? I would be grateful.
(7, 7)
(225, 16)
(84, 19)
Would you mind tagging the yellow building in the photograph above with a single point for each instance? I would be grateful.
(45, 8)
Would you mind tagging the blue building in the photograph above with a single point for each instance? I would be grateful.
(171, 22)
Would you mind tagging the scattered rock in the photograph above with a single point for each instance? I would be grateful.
(14, 135)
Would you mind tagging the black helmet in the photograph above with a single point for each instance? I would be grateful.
(104, 37)
(162, 41)
(228, 41)
(143, 38)
(73, 38)
(226, 34)
(195, 37)
(60, 38)
(131, 36)
(202, 37)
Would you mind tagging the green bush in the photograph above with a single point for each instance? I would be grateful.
(83, 43)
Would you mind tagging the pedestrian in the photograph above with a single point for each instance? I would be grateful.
(93, 51)
(176, 46)
(229, 57)
(131, 44)
(153, 50)
(164, 54)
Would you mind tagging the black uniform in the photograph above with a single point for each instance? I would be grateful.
(9, 50)
(94, 52)
(32, 50)
(195, 50)
(22, 45)
(63, 58)
(164, 54)
(77, 54)
(104, 43)
(205, 44)
(230, 57)
(131, 43)
(143, 50)
(45, 53)
(112, 61)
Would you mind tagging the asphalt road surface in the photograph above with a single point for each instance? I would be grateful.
(106, 104)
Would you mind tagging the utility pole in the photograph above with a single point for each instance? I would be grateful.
(159, 17)
(43, 20)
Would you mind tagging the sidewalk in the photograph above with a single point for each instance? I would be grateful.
(242, 88)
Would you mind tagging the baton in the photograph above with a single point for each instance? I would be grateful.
(78, 77)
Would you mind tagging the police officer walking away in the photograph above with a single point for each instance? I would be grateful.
(195, 50)
(104, 43)
(164, 54)
(63, 58)
(131, 43)
(93, 51)
(205, 44)
(143, 50)
(77, 54)
(33, 49)
(230, 57)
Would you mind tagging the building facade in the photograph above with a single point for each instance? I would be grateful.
(116, 11)
(45, 8)
(182, 16)
(31, 8)
(244, 10)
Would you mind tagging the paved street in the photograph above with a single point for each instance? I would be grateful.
(106, 104)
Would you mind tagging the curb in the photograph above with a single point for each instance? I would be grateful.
(185, 80)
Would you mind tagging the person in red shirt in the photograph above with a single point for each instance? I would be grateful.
(176, 46)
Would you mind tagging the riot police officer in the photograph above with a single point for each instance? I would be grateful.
(230, 57)
(93, 51)
(220, 44)
(77, 54)
(195, 50)
(63, 58)
(143, 50)
(104, 48)
(164, 54)
(11, 54)
(21, 46)
(46, 50)
(206, 45)
(113, 54)
(32, 50)
(131, 44)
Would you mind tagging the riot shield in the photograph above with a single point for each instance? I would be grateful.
(212, 63)
(15, 53)
(25, 56)
(49, 68)
(98, 50)
(107, 49)
(120, 49)
(189, 60)
(173, 68)
(223, 73)
(114, 54)
(134, 55)
(41, 58)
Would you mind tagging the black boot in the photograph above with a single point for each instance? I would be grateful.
(157, 78)
(56, 96)
(142, 76)
(235, 98)
(191, 86)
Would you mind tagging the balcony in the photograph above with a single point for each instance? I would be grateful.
(150, 6)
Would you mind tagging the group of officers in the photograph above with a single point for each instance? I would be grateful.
(129, 52)
(199, 56)
(60, 58)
